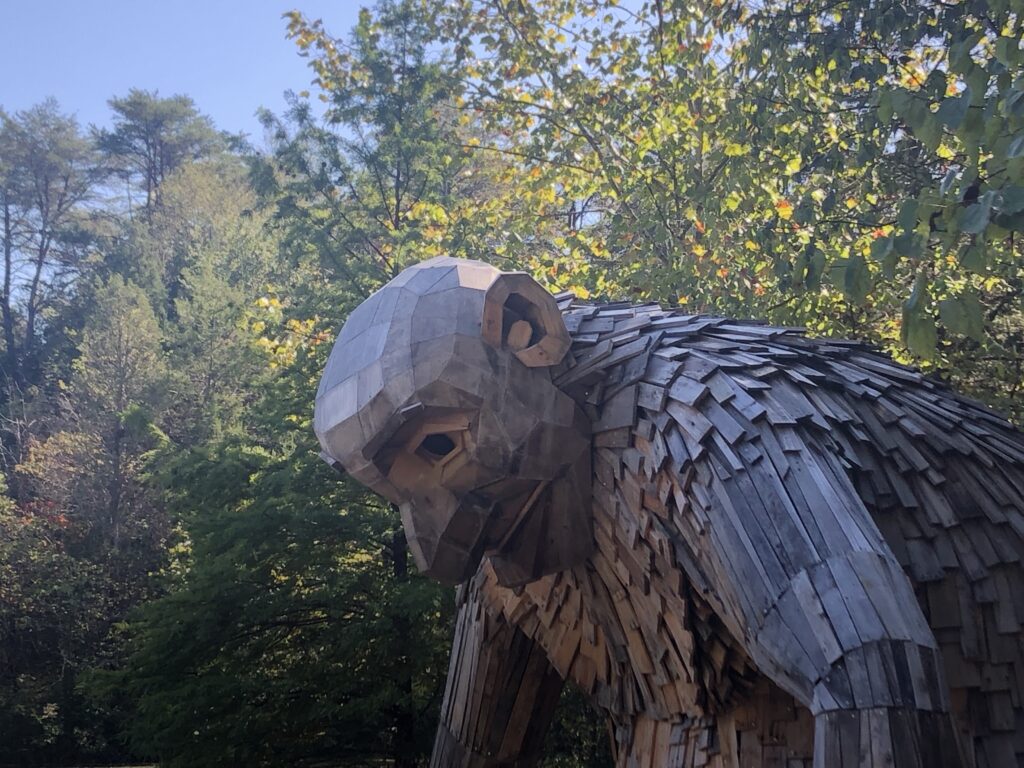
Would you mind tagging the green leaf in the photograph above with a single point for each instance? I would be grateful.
(1013, 199)
(908, 244)
(902, 101)
(929, 131)
(963, 314)
(952, 314)
(918, 329)
(947, 181)
(953, 110)
(973, 258)
(907, 218)
(975, 218)
(975, 315)
(1007, 51)
(920, 334)
(881, 247)
(1013, 104)
(809, 267)
(960, 60)
(857, 280)
(885, 110)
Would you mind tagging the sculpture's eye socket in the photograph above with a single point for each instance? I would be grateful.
(437, 445)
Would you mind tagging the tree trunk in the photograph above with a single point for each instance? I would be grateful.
(6, 308)
(405, 713)
(116, 484)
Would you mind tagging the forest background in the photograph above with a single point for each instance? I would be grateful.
(182, 580)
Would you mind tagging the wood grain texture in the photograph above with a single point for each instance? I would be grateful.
(800, 552)
(500, 694)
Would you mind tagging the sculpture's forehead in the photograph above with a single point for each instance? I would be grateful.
(380, 339)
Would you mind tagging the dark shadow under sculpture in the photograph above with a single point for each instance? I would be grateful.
(747, 547)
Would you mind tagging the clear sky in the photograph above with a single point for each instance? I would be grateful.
(230, 56)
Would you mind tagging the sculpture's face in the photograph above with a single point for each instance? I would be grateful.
(438, 396)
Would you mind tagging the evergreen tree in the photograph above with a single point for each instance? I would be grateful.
(152, 136)
(287, 636)
(48, 171)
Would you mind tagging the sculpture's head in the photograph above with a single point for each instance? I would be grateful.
(438, 396)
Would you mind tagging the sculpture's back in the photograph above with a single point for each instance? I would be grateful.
(798, 549)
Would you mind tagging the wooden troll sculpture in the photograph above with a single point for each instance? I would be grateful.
(747, 547)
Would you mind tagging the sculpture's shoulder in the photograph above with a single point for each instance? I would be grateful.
(625, 356)
(942, 475)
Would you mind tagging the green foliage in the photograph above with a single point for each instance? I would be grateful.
(175, 561)
(86, 533)
(796, 161)
(929, 92)
(120, 362)
(396, 172)
(54, 609)
(292, 632)
(48, 174)
(152, 136)
(384, 156)
(289, 639)
(579, 735)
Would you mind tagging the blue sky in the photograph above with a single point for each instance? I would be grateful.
(230, 56)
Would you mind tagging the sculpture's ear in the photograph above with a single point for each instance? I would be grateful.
(523, 318)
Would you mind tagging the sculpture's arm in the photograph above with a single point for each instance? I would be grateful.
(500, 694)
(794, 563)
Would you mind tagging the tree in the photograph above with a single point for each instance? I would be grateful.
(852, 167)
(393, 174)
(935, 94)
(88, 531)
(295, 589)
(115, 390)
(384, 151)
(52, 608)
(784, 162)
(152, 136)
(218, 257)
(288, 631)
(86, 465)
(48, 172)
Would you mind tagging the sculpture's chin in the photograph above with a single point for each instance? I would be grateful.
(448, 567)
(541, 527)
(453, 556)
(452, 573)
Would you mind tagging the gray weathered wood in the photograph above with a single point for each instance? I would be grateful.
(745, 545)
